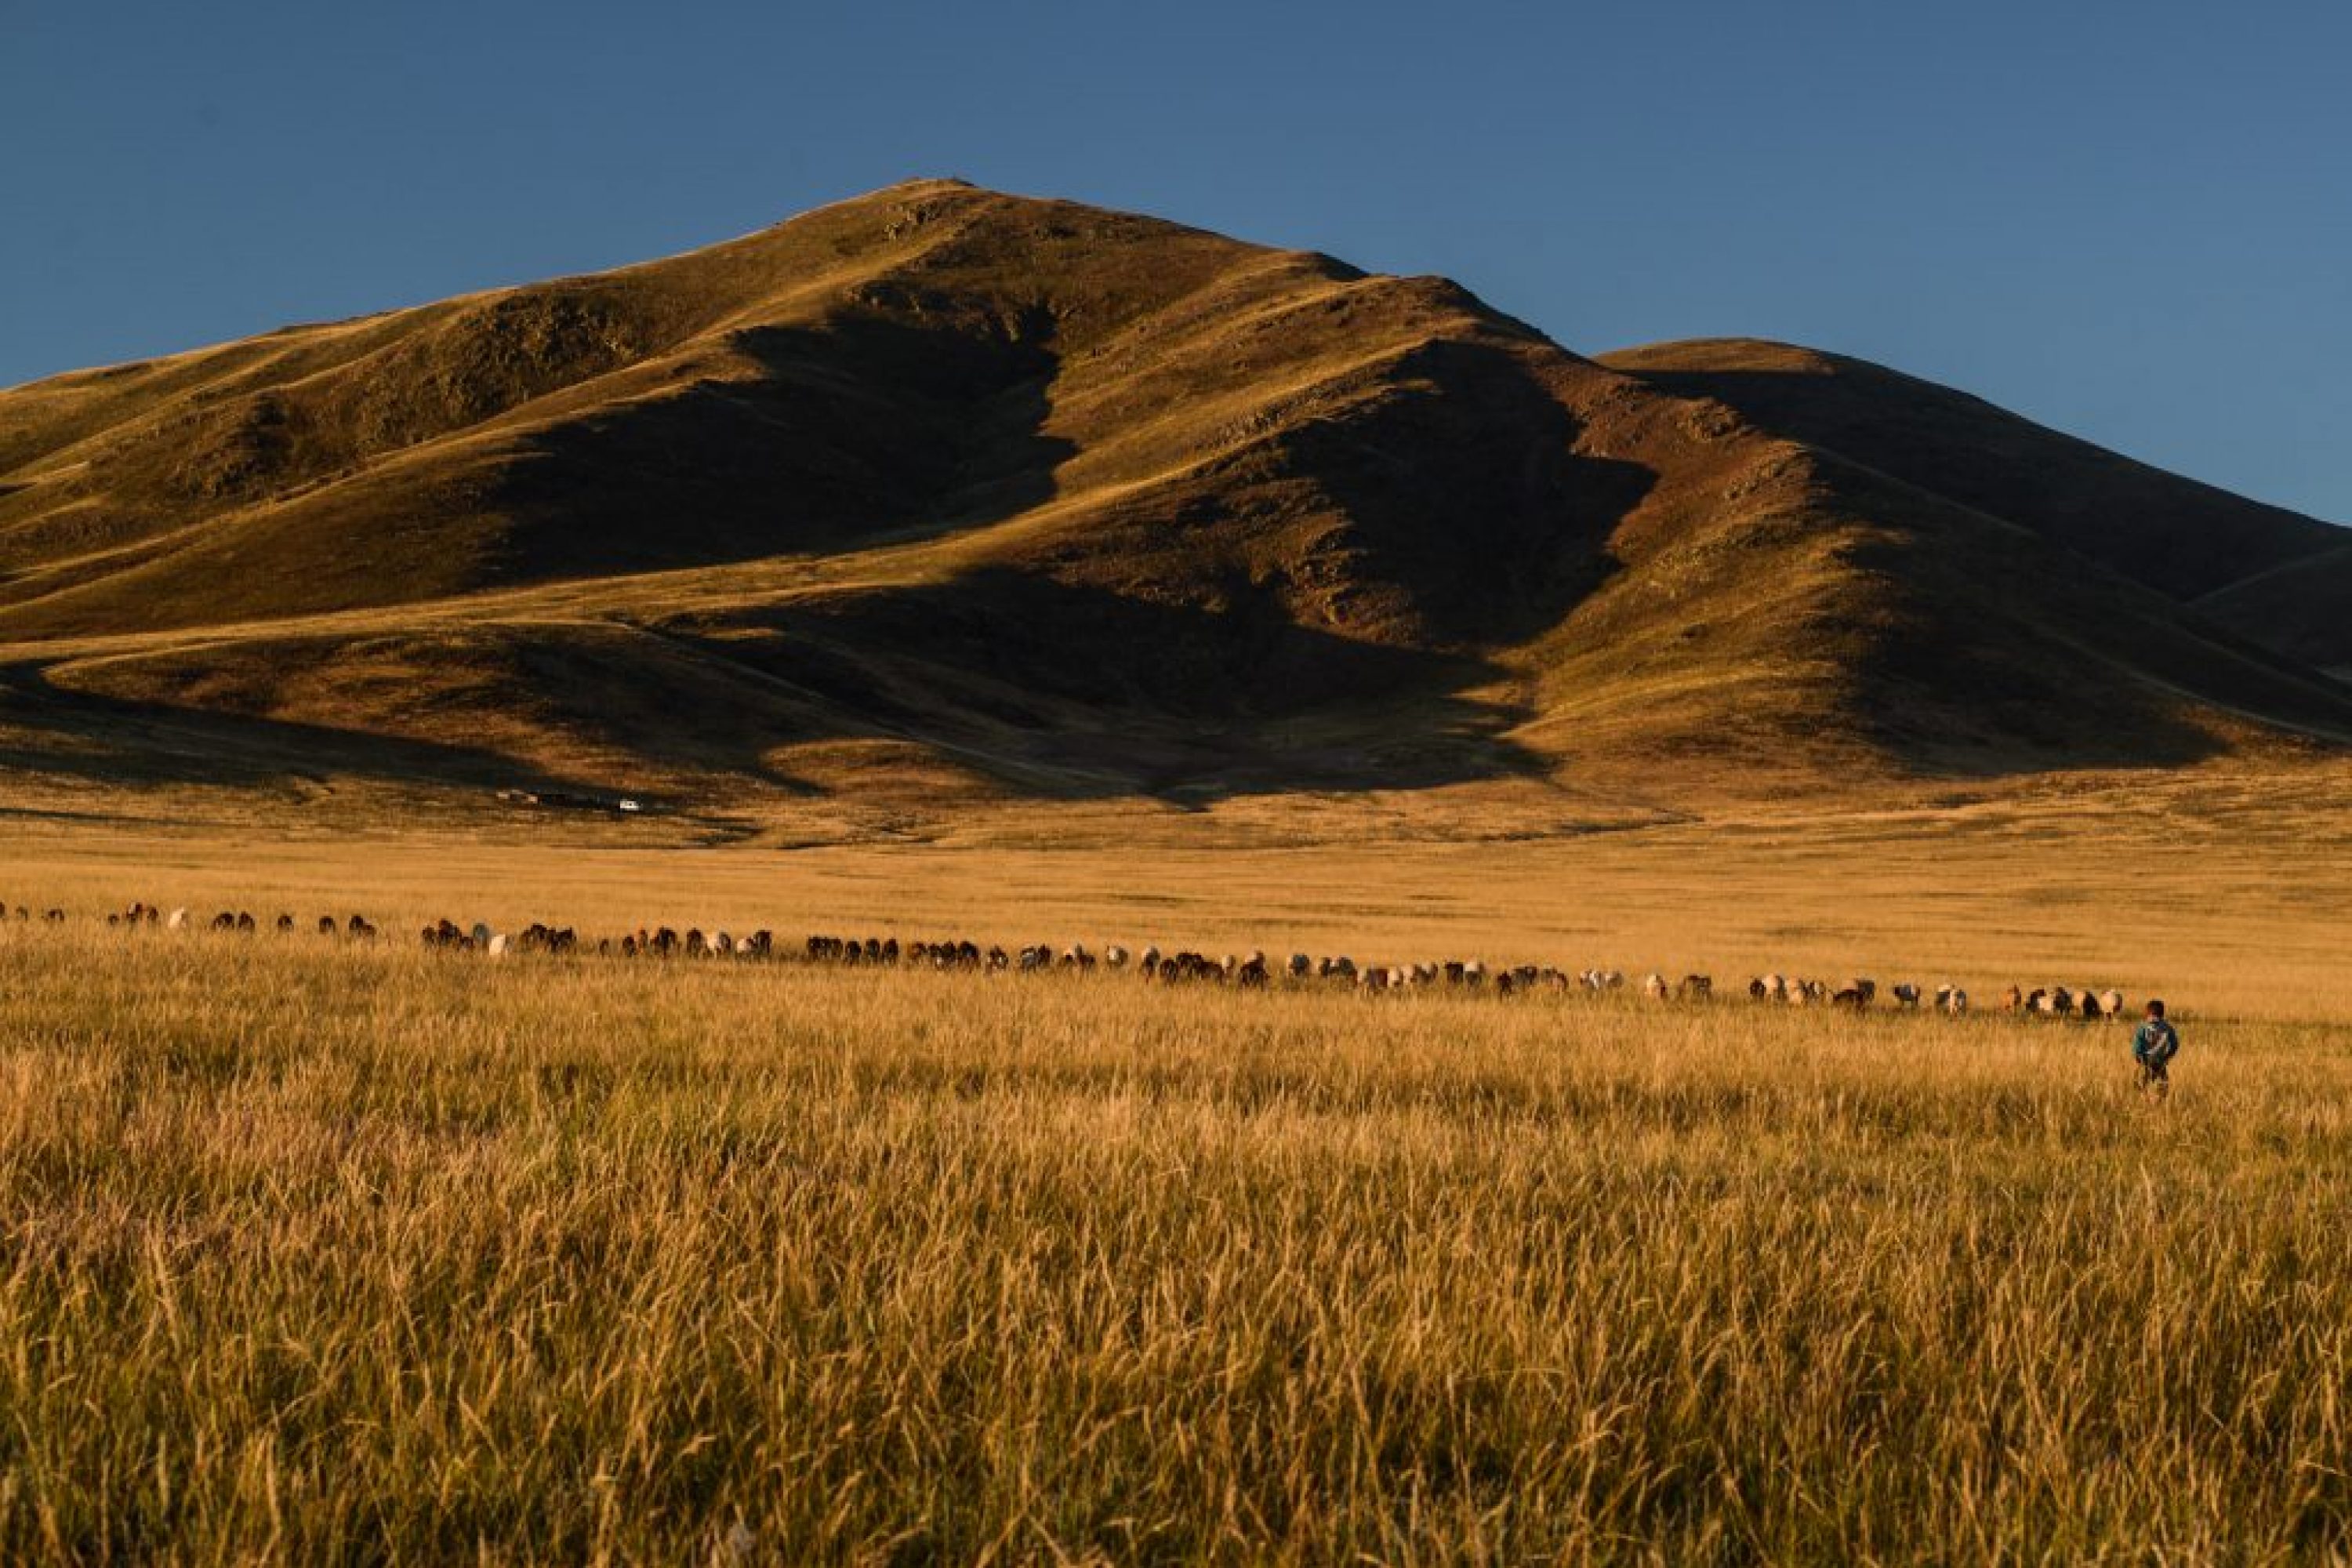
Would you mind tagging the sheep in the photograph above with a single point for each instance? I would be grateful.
(1253, 969)
(1188, 965)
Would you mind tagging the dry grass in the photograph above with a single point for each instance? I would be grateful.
(2222, 890)
(313, 1252)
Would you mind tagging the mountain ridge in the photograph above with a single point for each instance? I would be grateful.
(1066, 500)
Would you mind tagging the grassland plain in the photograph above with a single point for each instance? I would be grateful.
(317, 1252)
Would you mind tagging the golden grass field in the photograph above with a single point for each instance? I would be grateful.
(315, 1252)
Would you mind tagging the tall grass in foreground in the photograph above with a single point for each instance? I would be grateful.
(311, 1254)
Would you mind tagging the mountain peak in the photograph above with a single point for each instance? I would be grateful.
(1062, 500)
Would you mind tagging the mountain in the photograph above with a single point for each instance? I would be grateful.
(943, 488)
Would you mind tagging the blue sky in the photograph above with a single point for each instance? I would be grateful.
(2131, 221)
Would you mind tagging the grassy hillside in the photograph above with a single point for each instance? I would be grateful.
(1039, 499)
(2180, 537)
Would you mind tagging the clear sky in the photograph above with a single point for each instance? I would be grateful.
(2132, 221)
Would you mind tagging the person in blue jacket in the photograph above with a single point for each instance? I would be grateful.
(2154, 1045)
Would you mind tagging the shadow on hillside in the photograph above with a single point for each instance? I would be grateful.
(1461, 485)
(2003, 658)
(1049, 690)
(1062, 689)
(111, 740)
(864, 430)
(2179, 536)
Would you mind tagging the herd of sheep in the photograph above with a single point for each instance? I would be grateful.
(1248, 970)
